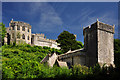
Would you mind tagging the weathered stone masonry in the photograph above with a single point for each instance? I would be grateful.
(20, 32)
(98, 47)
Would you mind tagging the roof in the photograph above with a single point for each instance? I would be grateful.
(69, 52)
(80, 52)
(62, 64)
(45, 59)
(52, 60)
(20, 23)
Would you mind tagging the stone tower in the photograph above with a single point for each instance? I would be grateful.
(98, 44)
(19, 32)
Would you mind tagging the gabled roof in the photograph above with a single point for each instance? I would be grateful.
(45, 59)
(70, 52)
(62, 64)
(73, 53)
(52, 60)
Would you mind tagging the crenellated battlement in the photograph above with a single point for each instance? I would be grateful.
(20, 32)
(98, 25)
(20, 23)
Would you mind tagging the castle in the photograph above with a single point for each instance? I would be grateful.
(20, 32)
(98, 44)
(98, 48)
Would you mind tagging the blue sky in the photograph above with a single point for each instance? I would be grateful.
(51, 18)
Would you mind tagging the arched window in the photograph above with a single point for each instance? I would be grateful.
(28, 29)
(28, 37)
(18, 35)
(23, 36)
(18, 27)
(23, 28)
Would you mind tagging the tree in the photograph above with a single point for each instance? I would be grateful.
(67, 41)
(2, 32)
(117, 52)
(80, 44)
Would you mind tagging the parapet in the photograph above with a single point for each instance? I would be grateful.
(43, 38)
(98, 26)
(20, 23)
(86, 30)
(106, 27)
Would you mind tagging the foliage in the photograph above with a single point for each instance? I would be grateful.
(2, 32)
(23, 61)
(80, 44)
(80, 71)
(117, 52)
(18, 35)
(68, 41)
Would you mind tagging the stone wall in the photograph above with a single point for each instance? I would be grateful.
(73, 57)
(90, 42)
(79, 60)
(39, 40)
(52, 60)
(105, 44)
(13, 32)
(98, 47)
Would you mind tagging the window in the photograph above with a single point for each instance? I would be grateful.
(28, 37)
(12, 35)
(23, 36)
(18, 27)
(12, 27)
(18, 35)
(28, 30)
(23, 28)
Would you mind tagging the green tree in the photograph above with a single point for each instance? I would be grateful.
(67, 41)
(2, 32)
(117, 52)
(80, 44)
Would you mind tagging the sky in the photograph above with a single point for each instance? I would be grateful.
(52, 18)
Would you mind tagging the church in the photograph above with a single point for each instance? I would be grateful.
(98, 48)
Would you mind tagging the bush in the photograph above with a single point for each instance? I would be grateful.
(80, 71)
(23, 61)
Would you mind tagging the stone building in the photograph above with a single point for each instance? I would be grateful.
(98, 47)
(19, 32)
(40, 40)
(52, 59)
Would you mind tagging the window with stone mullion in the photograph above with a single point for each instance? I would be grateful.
(18, 27)
(23, 36)
(23, 28)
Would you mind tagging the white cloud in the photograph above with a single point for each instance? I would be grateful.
(105, 17)
(48, 19)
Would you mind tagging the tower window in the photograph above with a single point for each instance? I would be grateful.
(28, 30)
(18, 35)
(23, 28)
(28, 37)
(18, 27)
(12, 25)
(23, 36)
